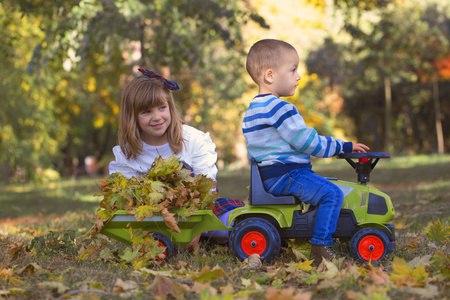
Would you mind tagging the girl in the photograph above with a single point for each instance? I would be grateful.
(150, 126)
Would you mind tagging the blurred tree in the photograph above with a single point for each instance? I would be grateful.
(86, 50)
(393, 46)
(30, 134)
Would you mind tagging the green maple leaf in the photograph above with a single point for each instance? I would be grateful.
(441, 261)
(436, 232)
(104, 214)
(106, 254)
(163, 167)
(182, 212)
(129, 255)
(156, 191)
(185, 175)
(157, 186)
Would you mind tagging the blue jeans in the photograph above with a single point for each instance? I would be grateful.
(314, 190)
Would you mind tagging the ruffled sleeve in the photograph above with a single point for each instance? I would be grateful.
(201, 152)
(121, 164)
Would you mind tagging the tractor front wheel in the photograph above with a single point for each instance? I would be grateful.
(370, 244)
(255, 236)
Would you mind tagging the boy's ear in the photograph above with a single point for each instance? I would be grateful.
(268, 75)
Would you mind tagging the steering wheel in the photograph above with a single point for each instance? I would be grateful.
(366, 163)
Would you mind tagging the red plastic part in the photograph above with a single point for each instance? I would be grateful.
(164, 252)
(371, 248)
(253, 242)
(362, 160)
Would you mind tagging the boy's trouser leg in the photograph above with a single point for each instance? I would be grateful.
(317, 191)
(329, 206)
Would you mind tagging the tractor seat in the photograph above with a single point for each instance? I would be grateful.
(259, 195)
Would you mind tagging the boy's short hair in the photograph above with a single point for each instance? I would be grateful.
(264, 54)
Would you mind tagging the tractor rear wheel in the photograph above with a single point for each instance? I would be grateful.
(164, 241)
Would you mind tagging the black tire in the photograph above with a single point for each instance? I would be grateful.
(255, 235)
(165, 242)
(370, 244)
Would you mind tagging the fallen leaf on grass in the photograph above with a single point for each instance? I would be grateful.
(250, 284)
(253, 261)
(331, 269)
(429, 291)
(121, 285)
(299, 255)
(371, 292)
(206, 274)
(14, 291)
(226, 290)
(147, 271)
(440, 259)
(438, 233)
(163, 287)
(300, 248)
(289, 293)
(404, 275)
(304, 266)
(200, 288)
(54, 286)
(28, 269)
(378, 276)
(8, 274)
(420, 261)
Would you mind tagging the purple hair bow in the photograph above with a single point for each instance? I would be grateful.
(171, 85)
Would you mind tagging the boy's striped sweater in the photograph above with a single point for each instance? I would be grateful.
(276, 133)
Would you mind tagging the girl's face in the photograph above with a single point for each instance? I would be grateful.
(154, 122)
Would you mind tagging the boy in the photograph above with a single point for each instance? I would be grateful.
(279, 140)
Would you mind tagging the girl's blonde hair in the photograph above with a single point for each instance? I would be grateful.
(140, 94)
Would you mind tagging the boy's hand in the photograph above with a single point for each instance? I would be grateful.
(360, 148)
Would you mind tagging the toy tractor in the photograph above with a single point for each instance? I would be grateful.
(260, 226)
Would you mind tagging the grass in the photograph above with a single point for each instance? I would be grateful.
(41, 226)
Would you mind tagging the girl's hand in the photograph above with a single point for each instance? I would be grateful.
(360, 148)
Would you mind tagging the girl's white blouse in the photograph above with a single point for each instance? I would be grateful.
(199, 152)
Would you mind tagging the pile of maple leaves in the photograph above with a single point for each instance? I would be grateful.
(167, 189)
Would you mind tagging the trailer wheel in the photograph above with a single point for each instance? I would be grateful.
(164, 241)
(370, 244)
(255, 236)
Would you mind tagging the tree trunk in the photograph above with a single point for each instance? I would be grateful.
(438, 119)
(387, 112)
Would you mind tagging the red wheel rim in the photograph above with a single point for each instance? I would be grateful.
(253, 242)
(371, 248)
(160, 244)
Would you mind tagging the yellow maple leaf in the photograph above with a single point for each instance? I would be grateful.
(145, 211)
(419, 274)
(436, 232)
(304, 266)
(400, 269)
(404, 275)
